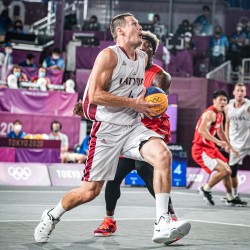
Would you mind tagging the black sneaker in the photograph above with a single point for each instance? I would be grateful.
(207, 196)
(236, 202)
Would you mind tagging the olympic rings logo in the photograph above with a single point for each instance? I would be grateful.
(155, 99)
(19, 173)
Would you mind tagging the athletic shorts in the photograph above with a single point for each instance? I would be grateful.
(110, 141)
(206, 157)
(234, 159)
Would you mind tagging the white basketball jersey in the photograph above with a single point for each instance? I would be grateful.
(239, 125)
(127, 81)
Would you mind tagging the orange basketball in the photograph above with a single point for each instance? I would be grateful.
(157, 95)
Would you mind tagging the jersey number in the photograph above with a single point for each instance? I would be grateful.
(130, 94)
(236, 126)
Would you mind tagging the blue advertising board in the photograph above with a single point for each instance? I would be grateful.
(179, 169)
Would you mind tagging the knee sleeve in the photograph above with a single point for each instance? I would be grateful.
(234, 169)
(146, 171)
(112, 194)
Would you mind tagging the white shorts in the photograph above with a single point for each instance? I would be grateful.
(234, 159)
(108, 142)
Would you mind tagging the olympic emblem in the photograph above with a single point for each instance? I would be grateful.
(19, 173)
(155, 99)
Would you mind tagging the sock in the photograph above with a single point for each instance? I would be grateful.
(235, 191)
(161, 204)
(174, 217)
(57, 211)
(206, 188)
(110, 217)
(230, 196)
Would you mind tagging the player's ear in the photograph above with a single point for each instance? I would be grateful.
(120, 31)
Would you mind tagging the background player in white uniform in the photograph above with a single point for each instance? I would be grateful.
(117, 76)
(238, 130)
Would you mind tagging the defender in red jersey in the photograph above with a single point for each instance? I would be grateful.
(205, 152)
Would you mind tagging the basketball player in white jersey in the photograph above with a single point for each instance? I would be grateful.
(111, 100)
(238, 130)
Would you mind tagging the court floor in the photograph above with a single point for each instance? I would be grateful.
(218, 227)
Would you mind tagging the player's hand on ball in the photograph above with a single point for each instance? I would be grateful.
(144, 107)
(78, 108)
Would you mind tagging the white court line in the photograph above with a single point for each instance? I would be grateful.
(98, 206)
(221, 223)
(122, 192)
(130, 219)
(64, 191)
(125, 207)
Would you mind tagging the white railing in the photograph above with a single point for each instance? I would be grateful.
(245, 70)
(47, 23)
(221, 73)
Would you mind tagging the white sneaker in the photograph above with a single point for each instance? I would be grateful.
(168, 231)
(45, 227)
(223, 199)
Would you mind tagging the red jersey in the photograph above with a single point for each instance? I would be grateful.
(201, 141)
(160, 125)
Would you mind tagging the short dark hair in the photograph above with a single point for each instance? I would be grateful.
(220, 92)
(55, 122)
(30, 56)
(57, 50)
(41, 68)
(157, 16)
(218, 27)
(17, 122)
(118, 21)
(16, 66)
(94, 17)
(206, 7)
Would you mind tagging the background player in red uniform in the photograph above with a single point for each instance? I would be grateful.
(154, 76)
(207, 155)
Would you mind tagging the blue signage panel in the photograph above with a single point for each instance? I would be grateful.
(179, 169)
(134, 179)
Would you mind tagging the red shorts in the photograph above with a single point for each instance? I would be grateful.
(206, 157)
